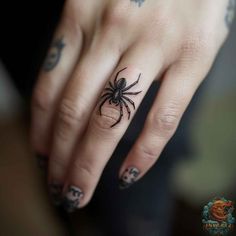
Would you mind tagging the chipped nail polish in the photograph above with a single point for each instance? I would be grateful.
(56, 193)
(128, 177)
(72, 198)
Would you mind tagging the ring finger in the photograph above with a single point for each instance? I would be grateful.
(60, 61)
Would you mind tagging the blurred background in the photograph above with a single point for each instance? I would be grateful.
(210, 172)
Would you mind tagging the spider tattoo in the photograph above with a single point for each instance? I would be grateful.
(117, 93)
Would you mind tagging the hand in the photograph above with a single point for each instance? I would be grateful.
(104, 57)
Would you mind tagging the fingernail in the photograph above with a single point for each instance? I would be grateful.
(129, 176)
(55, 190)
(72, 198)
(42, 161)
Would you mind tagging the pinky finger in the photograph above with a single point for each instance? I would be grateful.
(177, 89)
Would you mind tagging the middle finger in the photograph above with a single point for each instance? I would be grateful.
(110, 119)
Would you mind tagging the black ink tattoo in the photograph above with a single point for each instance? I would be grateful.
(54, 55)
(117, 94)
(140, 2)
(229, 17)
(129, 177)
(72, 198)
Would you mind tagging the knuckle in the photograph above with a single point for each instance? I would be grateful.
(165, 121)
(37, 143)
(84, 168)
(42, 100)
(148, 153)
(73, 27)
(116, 14)
(58, 164)
(74, 9)
(108, 117)
(69, 116)
(196, 45)
(72, 17)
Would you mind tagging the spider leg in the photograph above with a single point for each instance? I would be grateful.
(129, 100)
(100, 107)
(132, 93)
(130, 86)
(127, 107)
(119, 73)
(106, 94)
(111, 85)
(121, 115)
(109, 89)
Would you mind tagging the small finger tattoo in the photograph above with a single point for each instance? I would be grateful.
(117, 93)
(54, 55)
(140, 2)
(129, 176)
(56, 193)
(229, 17)
(72, 198)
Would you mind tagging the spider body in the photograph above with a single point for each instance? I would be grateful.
(117, 93)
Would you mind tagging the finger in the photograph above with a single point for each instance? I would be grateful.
(77, 105)
(59, 63)
(176, 91)
(114, 111)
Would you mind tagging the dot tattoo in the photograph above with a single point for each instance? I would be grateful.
(117, 94)
(140, 2)
(229, 17)
(54, 55)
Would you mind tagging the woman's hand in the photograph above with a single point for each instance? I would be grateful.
(104, 57)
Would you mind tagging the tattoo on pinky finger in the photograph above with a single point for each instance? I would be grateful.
(54, 54)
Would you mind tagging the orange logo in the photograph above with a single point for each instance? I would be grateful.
(217, 217)
(220, 210)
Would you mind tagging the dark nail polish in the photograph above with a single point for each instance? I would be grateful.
(129, 176)
(56, 193)
(42, 161)
(72, 198)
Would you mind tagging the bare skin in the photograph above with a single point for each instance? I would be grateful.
(175, 41)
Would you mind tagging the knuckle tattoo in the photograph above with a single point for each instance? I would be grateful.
(117, 94)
